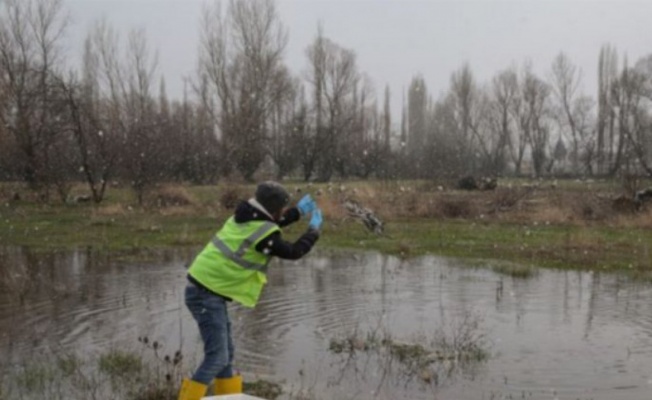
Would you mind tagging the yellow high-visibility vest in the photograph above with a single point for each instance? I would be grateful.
(230, 266)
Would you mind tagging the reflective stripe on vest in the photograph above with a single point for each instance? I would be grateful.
(237, 256)
(230, 265)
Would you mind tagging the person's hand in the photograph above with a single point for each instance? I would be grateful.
(306, 205)
(316, 220)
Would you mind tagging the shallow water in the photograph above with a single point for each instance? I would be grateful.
(559, 334)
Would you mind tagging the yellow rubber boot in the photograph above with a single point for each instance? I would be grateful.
(232, 385)
(192, 390)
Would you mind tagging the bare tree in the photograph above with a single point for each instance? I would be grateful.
(334, 78)
(287, 122)
(571, 109)
(643, 139)
(536, 95)
(30, 56)
(633, 123)
(122, 78)
(521, 137)
(316, 77)
(205, 161)
(417, 109)
(585, 122)
(607, 75)
(97, 147)
(364, 141)
(444, 159)
(304, 136)
(467, 102)
(142, 134)
(504, 93)
(385, 152)
(241, 55)
(403, 163)
(8, 155)
(376, 156)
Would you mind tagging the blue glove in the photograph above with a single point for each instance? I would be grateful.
(316, 220)
(306, 205)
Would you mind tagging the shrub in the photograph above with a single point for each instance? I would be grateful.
(170, 196)
(231, 196)
(455, 208)
(507, 198)
(623, 204)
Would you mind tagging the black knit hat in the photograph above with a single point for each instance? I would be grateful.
(272, 196)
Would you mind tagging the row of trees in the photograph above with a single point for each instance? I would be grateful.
(521, 123)
(245, 110)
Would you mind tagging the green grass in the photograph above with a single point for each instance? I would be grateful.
(549, 246)
(68, 226)
(515, 270)
(35, 378)
(130, 229)
(600, 247)
(120, 364)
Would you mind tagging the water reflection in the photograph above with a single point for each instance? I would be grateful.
(568, 334)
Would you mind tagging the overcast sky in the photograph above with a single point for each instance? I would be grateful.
(396, 39)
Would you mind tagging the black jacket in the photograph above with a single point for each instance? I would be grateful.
(274, 244)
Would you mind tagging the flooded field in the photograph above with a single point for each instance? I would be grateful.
(322, 324)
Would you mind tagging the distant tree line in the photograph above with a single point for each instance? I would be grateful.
(244, 110)
(521, 124)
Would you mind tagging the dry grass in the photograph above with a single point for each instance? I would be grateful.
(109, 210)
(549, 215)
(419, 218)
(523, 204)
(572, 203)
(642, 219)
(452, 207)
(11, 192)
(172, 196)
(178, 211)
(231, 195)
(5, 194)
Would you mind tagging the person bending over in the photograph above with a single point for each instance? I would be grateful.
(233, 267)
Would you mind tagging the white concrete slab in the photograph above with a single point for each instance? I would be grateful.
(233, 397)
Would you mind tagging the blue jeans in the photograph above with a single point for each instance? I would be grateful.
(210, 312)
